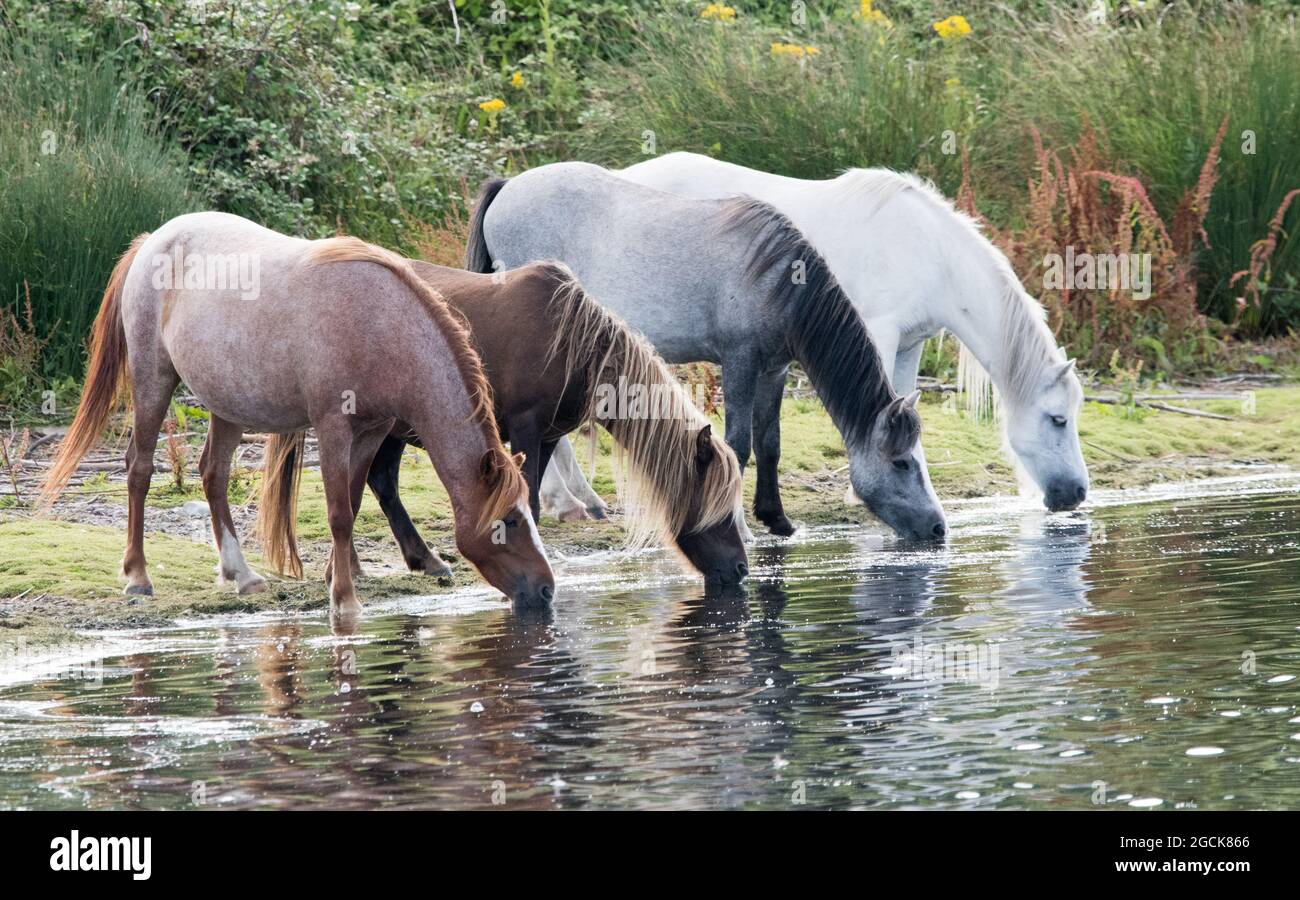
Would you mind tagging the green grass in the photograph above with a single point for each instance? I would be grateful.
(73, 569)
(869, 97)
(1158, 95)
(84, 172)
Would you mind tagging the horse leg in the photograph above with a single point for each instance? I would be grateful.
(557, 499)
(361, 454)
(335, 440)
(153, 395)
(577, 482)
(739, 380)
(906, 366)
(214, 466)
(767, 452)
(525, 438)
(382, 478)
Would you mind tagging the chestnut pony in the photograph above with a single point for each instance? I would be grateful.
(555, 357)
(276, 334)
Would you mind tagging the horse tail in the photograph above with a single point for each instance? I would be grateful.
(104, 390)
(477, 258)
(655, 451)
(277, 510)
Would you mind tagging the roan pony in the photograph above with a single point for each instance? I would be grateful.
(554, 358)
(336, 334)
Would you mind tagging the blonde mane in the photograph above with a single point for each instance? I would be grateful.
(506, 485)
(655, 454)
(1026, 344)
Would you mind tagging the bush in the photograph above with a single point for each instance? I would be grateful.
(85, 171)
(1158, 91)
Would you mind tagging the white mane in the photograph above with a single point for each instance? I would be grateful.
(1028, 347)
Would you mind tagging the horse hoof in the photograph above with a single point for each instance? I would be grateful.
(142, 590)
(597, 512)
(350, 608)
(257, 586)
(578, 514)
(782, 526)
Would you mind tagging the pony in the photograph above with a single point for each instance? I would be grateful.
(730, 282)
(913, 265)
(335, 334)
(555, 358)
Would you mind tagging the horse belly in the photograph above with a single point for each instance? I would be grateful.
(244, 375)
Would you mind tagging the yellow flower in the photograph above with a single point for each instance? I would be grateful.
(952, 27)
(495, 105)
(872, 16)
(952, 83)
(795, 50)
(517, 80)
(719, 12)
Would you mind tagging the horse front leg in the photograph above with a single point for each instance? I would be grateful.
(365, 443)
(525, 437)
(767, 452)
(383, 479)
(335, 440)
(214, 467)
(907, 364)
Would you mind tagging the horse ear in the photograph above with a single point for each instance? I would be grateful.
(704, 445)
(519, 459)
(1065, 369)
(910, 402)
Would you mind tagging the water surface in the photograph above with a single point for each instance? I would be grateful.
(1140, 652)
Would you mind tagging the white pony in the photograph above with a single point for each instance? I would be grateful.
(913, 265)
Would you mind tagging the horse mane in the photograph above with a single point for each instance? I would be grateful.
(824, 331)
(1027, 344)
(654, 454)
(505, 482)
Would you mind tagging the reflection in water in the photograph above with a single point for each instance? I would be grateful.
(1039, 661)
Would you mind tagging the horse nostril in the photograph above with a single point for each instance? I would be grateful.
(547, 592)
(741, 570)
(1080, 493)
(939, 529)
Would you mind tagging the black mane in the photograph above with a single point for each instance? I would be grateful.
(824, 332)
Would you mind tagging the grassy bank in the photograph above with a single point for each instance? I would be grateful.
(59, 575)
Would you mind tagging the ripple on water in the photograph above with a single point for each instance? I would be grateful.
(866, 673)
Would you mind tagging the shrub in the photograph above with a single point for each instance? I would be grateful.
(85, 171)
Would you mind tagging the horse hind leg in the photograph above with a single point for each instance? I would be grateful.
(214, 466)
(153, 394)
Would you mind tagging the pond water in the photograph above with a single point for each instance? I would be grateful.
(1142, 652)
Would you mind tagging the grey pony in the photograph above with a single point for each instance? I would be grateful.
(730, 282)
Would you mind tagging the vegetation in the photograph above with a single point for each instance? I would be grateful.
(69, 571)
(378, 117)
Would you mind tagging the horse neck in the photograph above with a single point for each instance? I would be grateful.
(830, 340)
(966, 296)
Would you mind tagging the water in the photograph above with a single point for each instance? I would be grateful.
(1140, 653)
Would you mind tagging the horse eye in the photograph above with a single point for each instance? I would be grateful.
(1058, 421)
(901, 465)
(512, 522)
